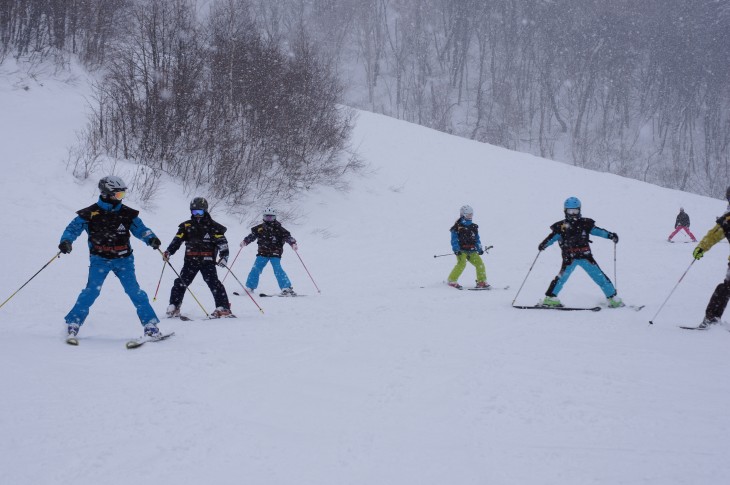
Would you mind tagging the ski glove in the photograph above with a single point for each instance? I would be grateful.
(155, 243)
(166, 256)
(244, 243)
(480, 251)
(65, 247)
(457, 252)
(542, 246)
(223, 262)
(698, 253)
(294, 246)
(613, 237)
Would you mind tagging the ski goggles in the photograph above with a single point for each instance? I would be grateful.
(119, 195)
(572, 212)
(197, 212)
(269, 218)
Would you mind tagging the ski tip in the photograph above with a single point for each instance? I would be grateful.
(72, 341)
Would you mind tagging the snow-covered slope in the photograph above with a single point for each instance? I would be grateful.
(387, 376)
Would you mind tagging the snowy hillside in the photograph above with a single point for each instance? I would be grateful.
(387, 376)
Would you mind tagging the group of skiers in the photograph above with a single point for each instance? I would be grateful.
(109, 224)
(572, 235)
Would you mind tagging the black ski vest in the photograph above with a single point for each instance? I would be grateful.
(574, 236)
(202, 239)
(467, 235)
(109, 230)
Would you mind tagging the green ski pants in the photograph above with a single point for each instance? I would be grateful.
(474, 258)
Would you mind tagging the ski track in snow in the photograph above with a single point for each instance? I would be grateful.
(388, 376)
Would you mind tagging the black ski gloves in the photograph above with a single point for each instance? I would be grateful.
(542, 246)
(155, 243)
(65, 247)
(613, 237)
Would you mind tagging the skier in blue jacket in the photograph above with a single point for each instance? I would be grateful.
(109, 224)
(572, 234)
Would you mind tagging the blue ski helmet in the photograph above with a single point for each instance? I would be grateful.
(572, 203)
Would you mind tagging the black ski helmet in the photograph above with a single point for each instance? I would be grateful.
(111, 184)
(199, 203)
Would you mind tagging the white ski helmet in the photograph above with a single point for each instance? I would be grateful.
(270, 211)
(466, 211)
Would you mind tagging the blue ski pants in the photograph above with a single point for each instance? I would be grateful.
(99, 268)
(258, 266)
(591, 267)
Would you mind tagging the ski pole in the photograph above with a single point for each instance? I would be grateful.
(486, 250)
(244, 288)
(305, 269)
(158, 283)
(525, 280)
(234, 262)
(651, 322)
(186, 287)
(58, 254)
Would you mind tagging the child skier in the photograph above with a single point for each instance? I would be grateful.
(467, 246)
(203, 239)
(572, 234)
(682, 223)
(108, 224)
(721, 295)
(271, 237)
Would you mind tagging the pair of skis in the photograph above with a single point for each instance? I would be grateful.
(130, 344)
(573, 309)
(266, 295)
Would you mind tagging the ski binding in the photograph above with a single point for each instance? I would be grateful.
(138, 342)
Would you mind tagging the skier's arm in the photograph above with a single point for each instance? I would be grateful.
(222, 243)
(140, 231)
(548, 241)
(713, 236)
(177, 240)
(74, 229)
(600, 232)
(455, 242)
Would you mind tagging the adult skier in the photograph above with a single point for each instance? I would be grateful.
(109, 224)
(572, 234)
(718, 300)
(467, 246)
(271, 237)
(203, 238)
(682, 223)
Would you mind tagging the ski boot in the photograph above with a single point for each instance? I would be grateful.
(288, 292)
(173, 311)
(73, 329)
(551, 301)
(615, 302)
(151, 330)
(454, 284)
(482, 284)
(221, 312)
(706, 322)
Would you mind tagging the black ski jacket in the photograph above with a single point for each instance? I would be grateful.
(271, 237)
(203, 239)
(682, 219)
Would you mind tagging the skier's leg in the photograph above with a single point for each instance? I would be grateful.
(599, 277)
(187, 275)
(557, 284)
(258, 266)
(280, 274)
(676, 230)
(719, 299)
(459, 268)
(689, 233)
(98, 269)
(210, 276)
(478, 263)
(124, 269)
